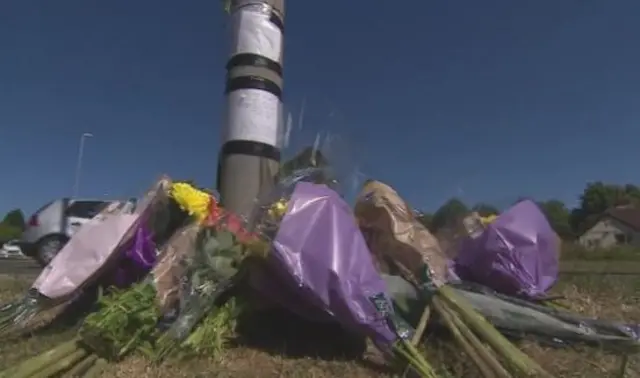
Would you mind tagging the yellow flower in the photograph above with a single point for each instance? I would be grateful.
(488, 219)
(192, 200)
(278, 209)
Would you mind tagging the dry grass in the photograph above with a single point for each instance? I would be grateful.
(289, 348)
(605, 266)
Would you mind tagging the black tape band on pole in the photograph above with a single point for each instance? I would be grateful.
(254, 60)
(272, 69)
(247, 147)
(253, 82)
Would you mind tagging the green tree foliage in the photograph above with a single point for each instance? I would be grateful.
(8, 233)
(449, 214)
(485, 209)
(558, 216)
(11, 226)
(597, 198)
(14, 218)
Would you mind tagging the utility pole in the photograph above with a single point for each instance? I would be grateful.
(76, 182)
(250, 154)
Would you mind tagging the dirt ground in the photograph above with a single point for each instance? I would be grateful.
(289, 348)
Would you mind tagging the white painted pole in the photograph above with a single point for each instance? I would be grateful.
(76, 183)
(250, 155)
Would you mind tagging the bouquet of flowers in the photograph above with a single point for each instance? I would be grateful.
(115, 248)
(179, 308)
(320, 267)
(404, 247)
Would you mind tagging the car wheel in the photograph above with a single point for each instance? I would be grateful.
(48, 248)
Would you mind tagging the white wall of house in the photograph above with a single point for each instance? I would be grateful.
(609, 232)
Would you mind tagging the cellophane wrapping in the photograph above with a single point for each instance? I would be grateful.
(516, 254)
(192, 280)
(98, 249)
(117, 247)
(319, 265)
(168, 272)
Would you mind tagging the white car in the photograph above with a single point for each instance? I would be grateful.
(51, 226)
(11, 249)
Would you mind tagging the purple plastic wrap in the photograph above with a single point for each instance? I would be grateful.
(516, 255)
(137, 261)
(321, 268)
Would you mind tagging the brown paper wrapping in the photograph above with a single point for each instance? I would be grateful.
(399, 243)
(170, 269)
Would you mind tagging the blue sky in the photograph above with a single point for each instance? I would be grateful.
(487, 100)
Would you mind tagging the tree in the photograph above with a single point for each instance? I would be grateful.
(597, 198)
(485, 209)
(426, 219)
(558, 216)
(449, 214)
(8, 233)
(15, 219)
(633, 193)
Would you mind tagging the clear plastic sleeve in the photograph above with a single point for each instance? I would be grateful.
(97, 250)
(516, 253)
(271, 207)
(319, 265)
(92, 254)
(523, 319)
(168, 272)
(206, 267)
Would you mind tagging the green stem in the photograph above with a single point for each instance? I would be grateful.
(82, 366)
(62, 365)
(623, 366)
(129, 346)
(97, 368)
(459, 338)
(413, 358)
(484, 359)
(523, 364)
(35, 364)
(422, 326)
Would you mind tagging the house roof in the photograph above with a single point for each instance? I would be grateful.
(627, 215)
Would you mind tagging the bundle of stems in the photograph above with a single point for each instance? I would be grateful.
(402, 351)
(125, 324)
(407, 353)
(69, 359)
(518, 362)
(211, 336)
(480, 340)
(201, 319)
(220, 264)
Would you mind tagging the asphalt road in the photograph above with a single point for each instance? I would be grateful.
(12, 266)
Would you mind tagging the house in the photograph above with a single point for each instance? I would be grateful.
(617, 226)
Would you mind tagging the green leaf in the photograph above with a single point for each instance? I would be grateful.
(224, 266)
(226, 239)
(195, 280)
(210, 245)
(228, 252)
